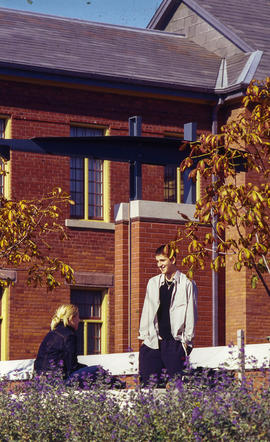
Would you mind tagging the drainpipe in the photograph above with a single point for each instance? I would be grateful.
(135, 130)
(214, 251)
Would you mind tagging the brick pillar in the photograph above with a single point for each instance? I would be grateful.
(121, 287)
(247, 308)
(151, 224)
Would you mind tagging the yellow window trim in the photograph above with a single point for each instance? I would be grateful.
(4, 325)
(179, 185)
(7, 185)
(106, 192)
(104, 328)
(106, 178)
(7, 119)
(198, 186)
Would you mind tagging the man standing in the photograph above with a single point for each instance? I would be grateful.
(168, 319)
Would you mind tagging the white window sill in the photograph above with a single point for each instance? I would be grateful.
(85, 224)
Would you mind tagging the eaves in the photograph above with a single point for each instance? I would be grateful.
(144, 86)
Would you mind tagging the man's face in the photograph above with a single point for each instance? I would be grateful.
(165, 265)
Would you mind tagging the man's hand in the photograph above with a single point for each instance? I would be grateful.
(187, 348)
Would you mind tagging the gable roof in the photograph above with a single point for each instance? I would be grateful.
(43, 46)
(99, 51)
(245, 23)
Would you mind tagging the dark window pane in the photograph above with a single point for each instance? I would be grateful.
(95, 188)
(189, 186)
(93, 339)
(80, 339)
(95, 179)
(77, 187)
(77, 131)
(88, 302)
(170, 184)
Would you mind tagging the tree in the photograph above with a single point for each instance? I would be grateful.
(238, 213)
(26, 226)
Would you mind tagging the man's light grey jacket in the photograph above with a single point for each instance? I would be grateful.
(183, 310)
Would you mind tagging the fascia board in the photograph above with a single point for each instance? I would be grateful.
(250, 68)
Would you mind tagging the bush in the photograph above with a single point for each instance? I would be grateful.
(205, 406)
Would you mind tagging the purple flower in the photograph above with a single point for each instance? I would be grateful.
(196, 414)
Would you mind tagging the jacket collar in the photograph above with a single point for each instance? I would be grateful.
(177, 277)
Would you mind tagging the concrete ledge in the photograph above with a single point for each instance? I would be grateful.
(153, 210)
(120, 364)
(84, 224)
(8, 274)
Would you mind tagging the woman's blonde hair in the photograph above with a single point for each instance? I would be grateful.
(64, 313)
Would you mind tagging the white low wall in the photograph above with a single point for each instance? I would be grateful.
(256, 356)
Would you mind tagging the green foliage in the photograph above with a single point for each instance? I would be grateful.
(242, 211)
(26, 227)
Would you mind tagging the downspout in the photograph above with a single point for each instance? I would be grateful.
(214, 249)
(135, 130)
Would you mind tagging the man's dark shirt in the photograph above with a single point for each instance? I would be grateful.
(163, 314)
(58, 345)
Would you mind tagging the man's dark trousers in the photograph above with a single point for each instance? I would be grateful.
(169, 358)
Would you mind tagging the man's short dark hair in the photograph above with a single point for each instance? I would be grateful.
(165, 249)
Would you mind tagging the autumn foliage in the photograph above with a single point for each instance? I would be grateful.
(238, 213)
(26, 228)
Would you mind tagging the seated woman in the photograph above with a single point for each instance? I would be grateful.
(58, 349)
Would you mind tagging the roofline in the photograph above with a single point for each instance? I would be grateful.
(168, 7)
(250, 68)
(90, 22)
(139, 85)
(22, 72)
(165, 8)
(245, 76)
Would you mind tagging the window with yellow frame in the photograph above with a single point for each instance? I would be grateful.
(178, 187)
(92, 331)
(89, 181)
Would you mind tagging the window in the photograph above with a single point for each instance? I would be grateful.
(170, 183)
(177, 186)
(87, 181)
(86, 173)
(92, 332)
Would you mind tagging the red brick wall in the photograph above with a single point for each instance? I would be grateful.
(40, 111)
(247, 308)
(120, 318)
(146, 236)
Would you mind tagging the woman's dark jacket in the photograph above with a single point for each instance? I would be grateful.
(58, 350)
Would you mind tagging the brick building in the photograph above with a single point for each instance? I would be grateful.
(64, 79)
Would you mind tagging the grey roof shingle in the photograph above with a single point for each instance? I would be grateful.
(94, 50)
(250, 20)
(244, 22)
